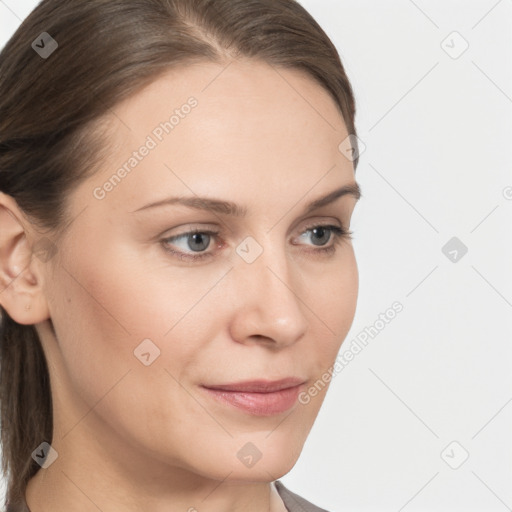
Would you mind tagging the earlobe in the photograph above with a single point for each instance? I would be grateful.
(21, 294)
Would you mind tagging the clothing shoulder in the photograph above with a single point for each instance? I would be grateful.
(293, 502)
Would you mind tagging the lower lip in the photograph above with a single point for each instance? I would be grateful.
(258, 404)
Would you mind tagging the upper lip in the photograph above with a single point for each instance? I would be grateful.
(259, 386)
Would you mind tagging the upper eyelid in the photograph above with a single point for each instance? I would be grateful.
(217, 233)
(192, 227)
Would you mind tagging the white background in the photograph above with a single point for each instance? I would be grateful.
(437, 165)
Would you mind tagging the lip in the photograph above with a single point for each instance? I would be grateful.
(259, 386)
(258, 397)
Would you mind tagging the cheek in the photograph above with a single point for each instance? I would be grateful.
(348, 293)
(333, 298)
(100, 318)
(95, 309)
(105, 308)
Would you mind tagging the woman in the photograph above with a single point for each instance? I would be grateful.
(177, 182)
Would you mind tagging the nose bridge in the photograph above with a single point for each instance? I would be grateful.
(271, 270)
(269, 303)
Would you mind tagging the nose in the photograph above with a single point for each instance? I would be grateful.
(268, 301)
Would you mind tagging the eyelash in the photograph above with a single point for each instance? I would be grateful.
(339, 234)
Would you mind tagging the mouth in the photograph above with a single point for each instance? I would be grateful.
(258, 397)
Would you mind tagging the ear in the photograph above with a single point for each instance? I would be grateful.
(21, 271)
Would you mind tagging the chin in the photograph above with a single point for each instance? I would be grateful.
(258, 457)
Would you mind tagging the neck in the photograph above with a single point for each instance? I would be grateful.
(74, 491)
(93, 473)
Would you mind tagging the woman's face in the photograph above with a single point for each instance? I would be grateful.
(141, 328)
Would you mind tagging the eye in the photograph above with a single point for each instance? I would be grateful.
(195, 243)
(323, 234)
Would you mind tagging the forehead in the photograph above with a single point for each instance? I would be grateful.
(215, 129)
(239, 80)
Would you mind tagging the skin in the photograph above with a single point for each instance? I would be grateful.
(134, 437)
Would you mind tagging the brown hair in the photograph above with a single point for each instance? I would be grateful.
(50, 138)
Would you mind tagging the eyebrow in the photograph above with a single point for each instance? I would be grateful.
(234, 209)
